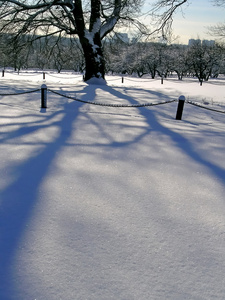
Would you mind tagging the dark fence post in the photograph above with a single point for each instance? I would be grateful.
(43, 96)
(3, 73)
(162, 80)
(180, 107)
(43, 75)
(122, 79)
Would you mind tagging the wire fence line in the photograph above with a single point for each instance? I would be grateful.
(122, 78)
(138, 79)
(43, 73)
(75, 76)
(20, 93)
(61, 77)
(27, 74)
(111, 104)
(56, 75)
(204, 107)
(18, 73)
(134, 105)
(114, 79)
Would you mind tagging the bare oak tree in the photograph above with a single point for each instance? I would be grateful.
(90, 20)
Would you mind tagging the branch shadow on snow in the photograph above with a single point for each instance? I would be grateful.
(19, 198)
(152, 117)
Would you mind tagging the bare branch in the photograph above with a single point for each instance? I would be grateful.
(219, 2)
(163, 14)
(91, 20)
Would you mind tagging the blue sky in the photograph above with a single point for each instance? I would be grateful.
(196, 17)
(191, 20)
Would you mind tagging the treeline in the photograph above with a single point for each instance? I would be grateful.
(42, 53)
(200, 60)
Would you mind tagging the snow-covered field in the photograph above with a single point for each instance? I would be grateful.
(104, 203)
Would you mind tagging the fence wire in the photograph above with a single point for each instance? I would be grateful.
(137, 79)
(204, 107)
(27, 74)
(112, 105)
(114, 79)
(74, 76)
(20, 93)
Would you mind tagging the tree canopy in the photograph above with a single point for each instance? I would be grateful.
(90, 20)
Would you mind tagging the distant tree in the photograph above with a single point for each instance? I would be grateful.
(140, 59)
(157, 59)
(41, 53)
(135, 59)
(152, 59)
(17, 57)
(164, 60)
(4, 57)
(204, 60)
(219, 2)
(219, 29)
(74, 59)
(179, 60)
(91, 20)
(116, 52)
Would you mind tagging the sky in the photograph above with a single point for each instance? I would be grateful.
(196, 17)
(191, 20)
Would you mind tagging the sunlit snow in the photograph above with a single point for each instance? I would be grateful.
(104, 203)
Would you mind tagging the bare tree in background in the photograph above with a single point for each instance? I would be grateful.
(219, 29)
(90, 20)
(219, 2)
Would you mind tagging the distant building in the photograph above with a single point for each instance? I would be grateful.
(122, 37)
(194, 42)
(199, 42)
(208, 43)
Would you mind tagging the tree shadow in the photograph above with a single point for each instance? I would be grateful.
(22, 194)
(151, 116)
(19, 198)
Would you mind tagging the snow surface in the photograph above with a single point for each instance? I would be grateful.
(105, 203)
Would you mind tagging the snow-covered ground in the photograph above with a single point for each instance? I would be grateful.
(104, 203)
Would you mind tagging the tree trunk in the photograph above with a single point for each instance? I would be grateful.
(90, 40)
(94, 59)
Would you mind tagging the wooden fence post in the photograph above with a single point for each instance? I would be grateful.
(180, 107)
(43, 96)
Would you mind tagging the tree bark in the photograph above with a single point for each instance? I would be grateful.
(94, 59)
(91, 40)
